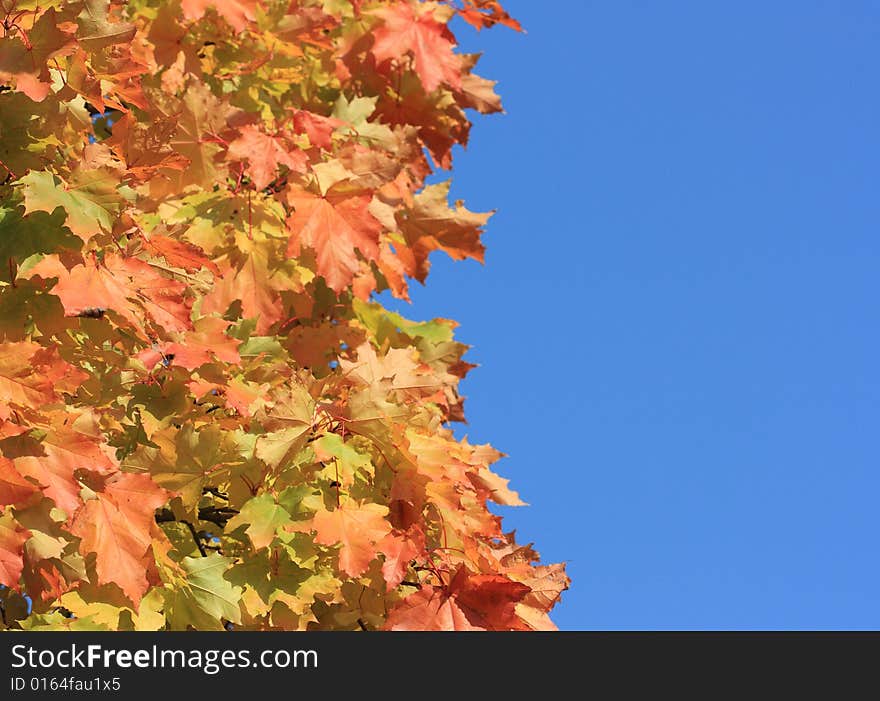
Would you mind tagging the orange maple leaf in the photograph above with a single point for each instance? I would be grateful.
(19, 383)
(12, 540)
(489, 600)
(180, 253)
(399, 552)
(64, 452)
(485, 13)
(264, 153)
(335, 227)
(202, 345)
(246, 284)
(357, 528)
(317, 127)
(128, 286)
(241, 397)
(116, 525)
(431, 224)
(237, 12)
(468, 602)
(14, 488)
(407, 30)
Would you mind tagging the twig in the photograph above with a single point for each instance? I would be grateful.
(195, 536)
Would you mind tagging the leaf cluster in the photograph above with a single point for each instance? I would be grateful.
(206, 421)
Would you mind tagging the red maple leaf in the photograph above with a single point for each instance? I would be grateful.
(430, 608)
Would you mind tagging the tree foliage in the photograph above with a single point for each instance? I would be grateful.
(206, 421)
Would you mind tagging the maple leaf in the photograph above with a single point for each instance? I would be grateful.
(145, 148)
(429, 608)
(468, 602)
(407, 29)
(13, 487)
(264, 153)
(263, 517)
(128, 286)
(485, 13)
(90, 199)
(357, 529)
(116, 525)
(476, 92)
(347, 461)
(12, 538)
(245, 283)
(399, 552)
(183, 460)
(243, 396)
(180, 253)
(97, 31)
(431, 225)
(356, 114)
(335, 227)
(237, 12)
(397, 369)
(201, 120)
(203, 598)
(489, 600)
(64, 451)
(205, 343)
(546, 584)
(26, 59)
(19, 384)
(106, 606)
(318, 128)
(288, 419)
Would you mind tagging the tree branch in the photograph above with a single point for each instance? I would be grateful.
(196, 538)
(212, 514)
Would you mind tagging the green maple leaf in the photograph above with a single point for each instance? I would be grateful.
(25, 133)
(183, 461)
(23, 236)
(57, 621)
(271, 575)
(385, 324)
(91, 201)
(262, 516)
(25, 311)
(204, 598)
(342, 461)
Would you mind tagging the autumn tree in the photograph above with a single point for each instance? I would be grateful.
(207, 421)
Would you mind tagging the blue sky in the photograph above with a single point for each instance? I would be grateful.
(677, 319)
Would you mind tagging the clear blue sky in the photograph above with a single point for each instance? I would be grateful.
(677, 323)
